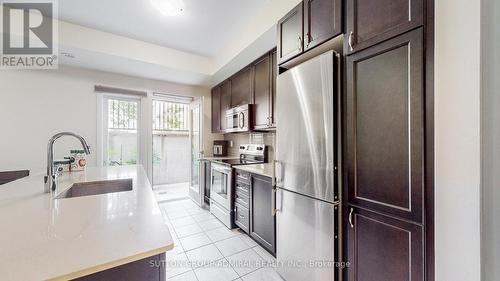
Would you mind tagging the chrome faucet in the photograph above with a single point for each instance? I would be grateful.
(50, 178)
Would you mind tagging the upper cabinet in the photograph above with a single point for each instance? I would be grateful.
(371, 22)
(216, 109)
(225, 102)
(274, 76)
(262, 92)
(322, 21)
(309, 24)
(254, 84)
(290, 34)
(241, 87)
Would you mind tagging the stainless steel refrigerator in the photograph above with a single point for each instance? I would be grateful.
(306, 167)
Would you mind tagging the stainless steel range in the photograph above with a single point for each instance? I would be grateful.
(221, 184)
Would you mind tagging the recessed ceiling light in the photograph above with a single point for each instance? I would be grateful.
(169, 7)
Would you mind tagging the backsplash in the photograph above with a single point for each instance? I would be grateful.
(269, 139)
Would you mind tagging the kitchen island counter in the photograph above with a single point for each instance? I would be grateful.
(59, 239)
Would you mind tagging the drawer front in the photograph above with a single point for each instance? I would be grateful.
(241, 217)
(242, 176)
(242, 188)
(242, 199)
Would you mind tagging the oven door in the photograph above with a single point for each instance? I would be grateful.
(220, 185)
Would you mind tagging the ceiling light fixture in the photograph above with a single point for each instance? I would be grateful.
(169, 7)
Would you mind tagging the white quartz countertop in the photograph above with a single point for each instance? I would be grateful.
(59, 239)
(265, 169)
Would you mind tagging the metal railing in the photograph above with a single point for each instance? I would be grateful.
(168, 116)
(122, 115)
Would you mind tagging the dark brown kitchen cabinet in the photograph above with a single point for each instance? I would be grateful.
(225, 102)
(255, 84)
(216, 121)
(385, 127)
(290, 34)
(262, 221)
(241, 87)
(383, 248)
(262, 92)
(151, 268)
(371, 22)
(322, 21)
(274, 76)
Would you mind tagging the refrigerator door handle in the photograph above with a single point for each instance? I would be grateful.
(273, 179)
(274, 210)
(276, 177)
(350, 218)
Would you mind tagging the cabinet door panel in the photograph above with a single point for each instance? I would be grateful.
(290, 37)
(262, 92)
(384, 249)
(263, 223)
(241, 87)
(225, 102)
(274, 68)
(322, 21)
(384, 147)
(216, 109)
(374, 21)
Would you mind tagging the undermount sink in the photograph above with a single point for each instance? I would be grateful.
(96, 187)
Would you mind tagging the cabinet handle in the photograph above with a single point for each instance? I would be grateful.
(308, 39)
(350, 218)
(350, 41)
(300, 44)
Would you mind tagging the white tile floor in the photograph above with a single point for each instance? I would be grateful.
(206, 250)
(170, 192)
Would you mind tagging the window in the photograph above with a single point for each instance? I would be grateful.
(121, 138)
(169, 116)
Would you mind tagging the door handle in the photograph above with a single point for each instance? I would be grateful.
(350, 218)
(350, 40)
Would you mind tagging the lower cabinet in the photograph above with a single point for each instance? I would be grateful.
(383, 248)
(253, 209)
(150, 269)
(262, 221)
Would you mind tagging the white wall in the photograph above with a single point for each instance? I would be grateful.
(457, 140)
(490, 134)
(34, 105)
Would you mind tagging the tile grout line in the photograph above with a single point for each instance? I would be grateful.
(213, 243)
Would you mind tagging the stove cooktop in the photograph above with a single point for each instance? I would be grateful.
(234, 162)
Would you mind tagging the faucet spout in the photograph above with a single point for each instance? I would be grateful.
(50, 178)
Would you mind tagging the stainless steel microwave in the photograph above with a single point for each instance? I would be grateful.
(239, 119)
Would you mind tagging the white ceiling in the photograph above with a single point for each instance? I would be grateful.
(205, 27)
